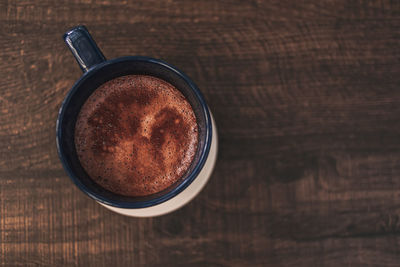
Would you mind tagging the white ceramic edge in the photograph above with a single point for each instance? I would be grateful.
(186, 195)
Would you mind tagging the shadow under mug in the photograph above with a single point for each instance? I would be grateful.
(97, 70)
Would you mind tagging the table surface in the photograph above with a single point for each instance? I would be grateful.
(306, 98)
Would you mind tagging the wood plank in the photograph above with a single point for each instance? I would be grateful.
(306, 100)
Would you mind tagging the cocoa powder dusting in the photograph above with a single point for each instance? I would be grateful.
(136, 135)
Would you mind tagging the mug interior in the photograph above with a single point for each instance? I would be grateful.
(86, 85)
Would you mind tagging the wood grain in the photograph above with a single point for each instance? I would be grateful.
(307, 102)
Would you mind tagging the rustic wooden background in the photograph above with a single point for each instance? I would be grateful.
(306, 95)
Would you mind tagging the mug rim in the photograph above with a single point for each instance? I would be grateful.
(145, 203)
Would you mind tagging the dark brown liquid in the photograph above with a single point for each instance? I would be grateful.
(136, 135)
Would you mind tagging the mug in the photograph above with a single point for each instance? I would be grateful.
(96, 71)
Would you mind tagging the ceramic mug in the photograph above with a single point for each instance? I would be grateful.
(96, 71)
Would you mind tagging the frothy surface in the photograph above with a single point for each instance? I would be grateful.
(136, 135)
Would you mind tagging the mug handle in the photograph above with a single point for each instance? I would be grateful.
(83, 47)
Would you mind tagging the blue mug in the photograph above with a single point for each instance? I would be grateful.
(96, 71)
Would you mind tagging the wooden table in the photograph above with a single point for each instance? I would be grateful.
(307, 101)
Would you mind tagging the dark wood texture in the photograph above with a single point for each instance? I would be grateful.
(306, 95)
